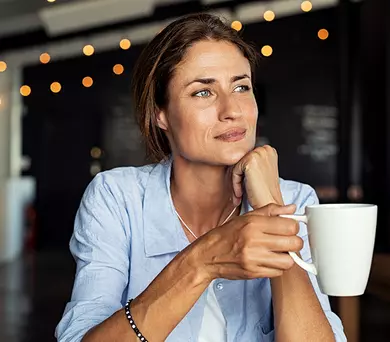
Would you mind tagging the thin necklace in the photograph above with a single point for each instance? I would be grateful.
(192, 233)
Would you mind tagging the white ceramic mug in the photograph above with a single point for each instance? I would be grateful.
(341, 238)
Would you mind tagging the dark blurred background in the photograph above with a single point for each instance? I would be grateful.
(66, 114)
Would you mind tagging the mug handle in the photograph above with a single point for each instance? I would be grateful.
(305, 265)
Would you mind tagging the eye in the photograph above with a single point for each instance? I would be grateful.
(242, 89)
(202, 93)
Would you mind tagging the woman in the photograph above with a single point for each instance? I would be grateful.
(147, 233)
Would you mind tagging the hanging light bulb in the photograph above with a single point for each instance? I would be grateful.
(88, 50)
(118, 69)
(323, 34)
(236, 25)
(269, 15)
(55, 87)
(306, 6)
(44, 58)
(266, 50)
(87, 82)
(3, 66)
(125, 44)
(25, 90)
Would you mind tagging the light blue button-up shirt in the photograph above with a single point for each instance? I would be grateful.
(126, 232)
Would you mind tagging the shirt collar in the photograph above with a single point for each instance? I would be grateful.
(162, 229)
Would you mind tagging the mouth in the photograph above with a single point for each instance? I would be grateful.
(232, 135)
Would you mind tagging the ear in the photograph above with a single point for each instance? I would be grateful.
(162, 120)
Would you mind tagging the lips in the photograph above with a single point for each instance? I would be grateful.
(234, 134)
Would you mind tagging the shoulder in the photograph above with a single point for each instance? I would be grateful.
(121, 182)
(109, 196)
(298, 193)
(124, 175)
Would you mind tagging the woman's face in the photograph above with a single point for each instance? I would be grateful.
(211, 114)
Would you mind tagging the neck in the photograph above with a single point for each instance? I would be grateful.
(201, 194)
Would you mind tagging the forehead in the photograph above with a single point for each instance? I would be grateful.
(212, 59)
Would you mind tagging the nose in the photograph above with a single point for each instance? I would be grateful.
(229, 108)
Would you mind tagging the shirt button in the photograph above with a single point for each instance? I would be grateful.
(219, 286)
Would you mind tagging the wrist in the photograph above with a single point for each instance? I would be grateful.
(193, 260)
(200, 260)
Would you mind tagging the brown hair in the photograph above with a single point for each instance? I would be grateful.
(157, 62)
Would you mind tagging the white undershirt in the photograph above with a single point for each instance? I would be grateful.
(213, 327)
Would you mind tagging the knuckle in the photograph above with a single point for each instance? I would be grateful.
(245, 260)
(259, 151)
(252, 157)
(269, 149)
(247, 229)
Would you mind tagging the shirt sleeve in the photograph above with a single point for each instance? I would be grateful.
(309, 197)
(100, 245)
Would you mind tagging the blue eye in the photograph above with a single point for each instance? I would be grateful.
(242, 89)
(202, 93)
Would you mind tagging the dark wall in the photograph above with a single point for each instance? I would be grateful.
(300, 81)
(375, 76)
(61, 129)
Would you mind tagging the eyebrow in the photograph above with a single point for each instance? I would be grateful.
(213, 80)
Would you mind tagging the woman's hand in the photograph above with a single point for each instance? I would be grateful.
(258, 170)
(250, 246)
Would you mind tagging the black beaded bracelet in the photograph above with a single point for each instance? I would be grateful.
(132, 323)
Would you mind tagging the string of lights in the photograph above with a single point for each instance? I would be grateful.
(125, 44)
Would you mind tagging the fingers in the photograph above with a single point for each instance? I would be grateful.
(237, 179)
(240, 168)
(259, 170)
(275, 210)
(266, 258)
(266, 272)
(268, 221)
(280, 261)
(236, 272)
(265, 151)
(277, 243)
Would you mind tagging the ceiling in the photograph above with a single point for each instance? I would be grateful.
(30, 22)
(13, 8)
(28, 27)
(18, 16)
(22, 16)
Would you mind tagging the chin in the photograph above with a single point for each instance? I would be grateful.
(232, 156)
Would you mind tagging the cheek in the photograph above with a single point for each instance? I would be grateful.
(252, 112)
(191, 123)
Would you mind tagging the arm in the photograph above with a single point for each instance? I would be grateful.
(171, 295)
(301, 311)
(100, 245)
